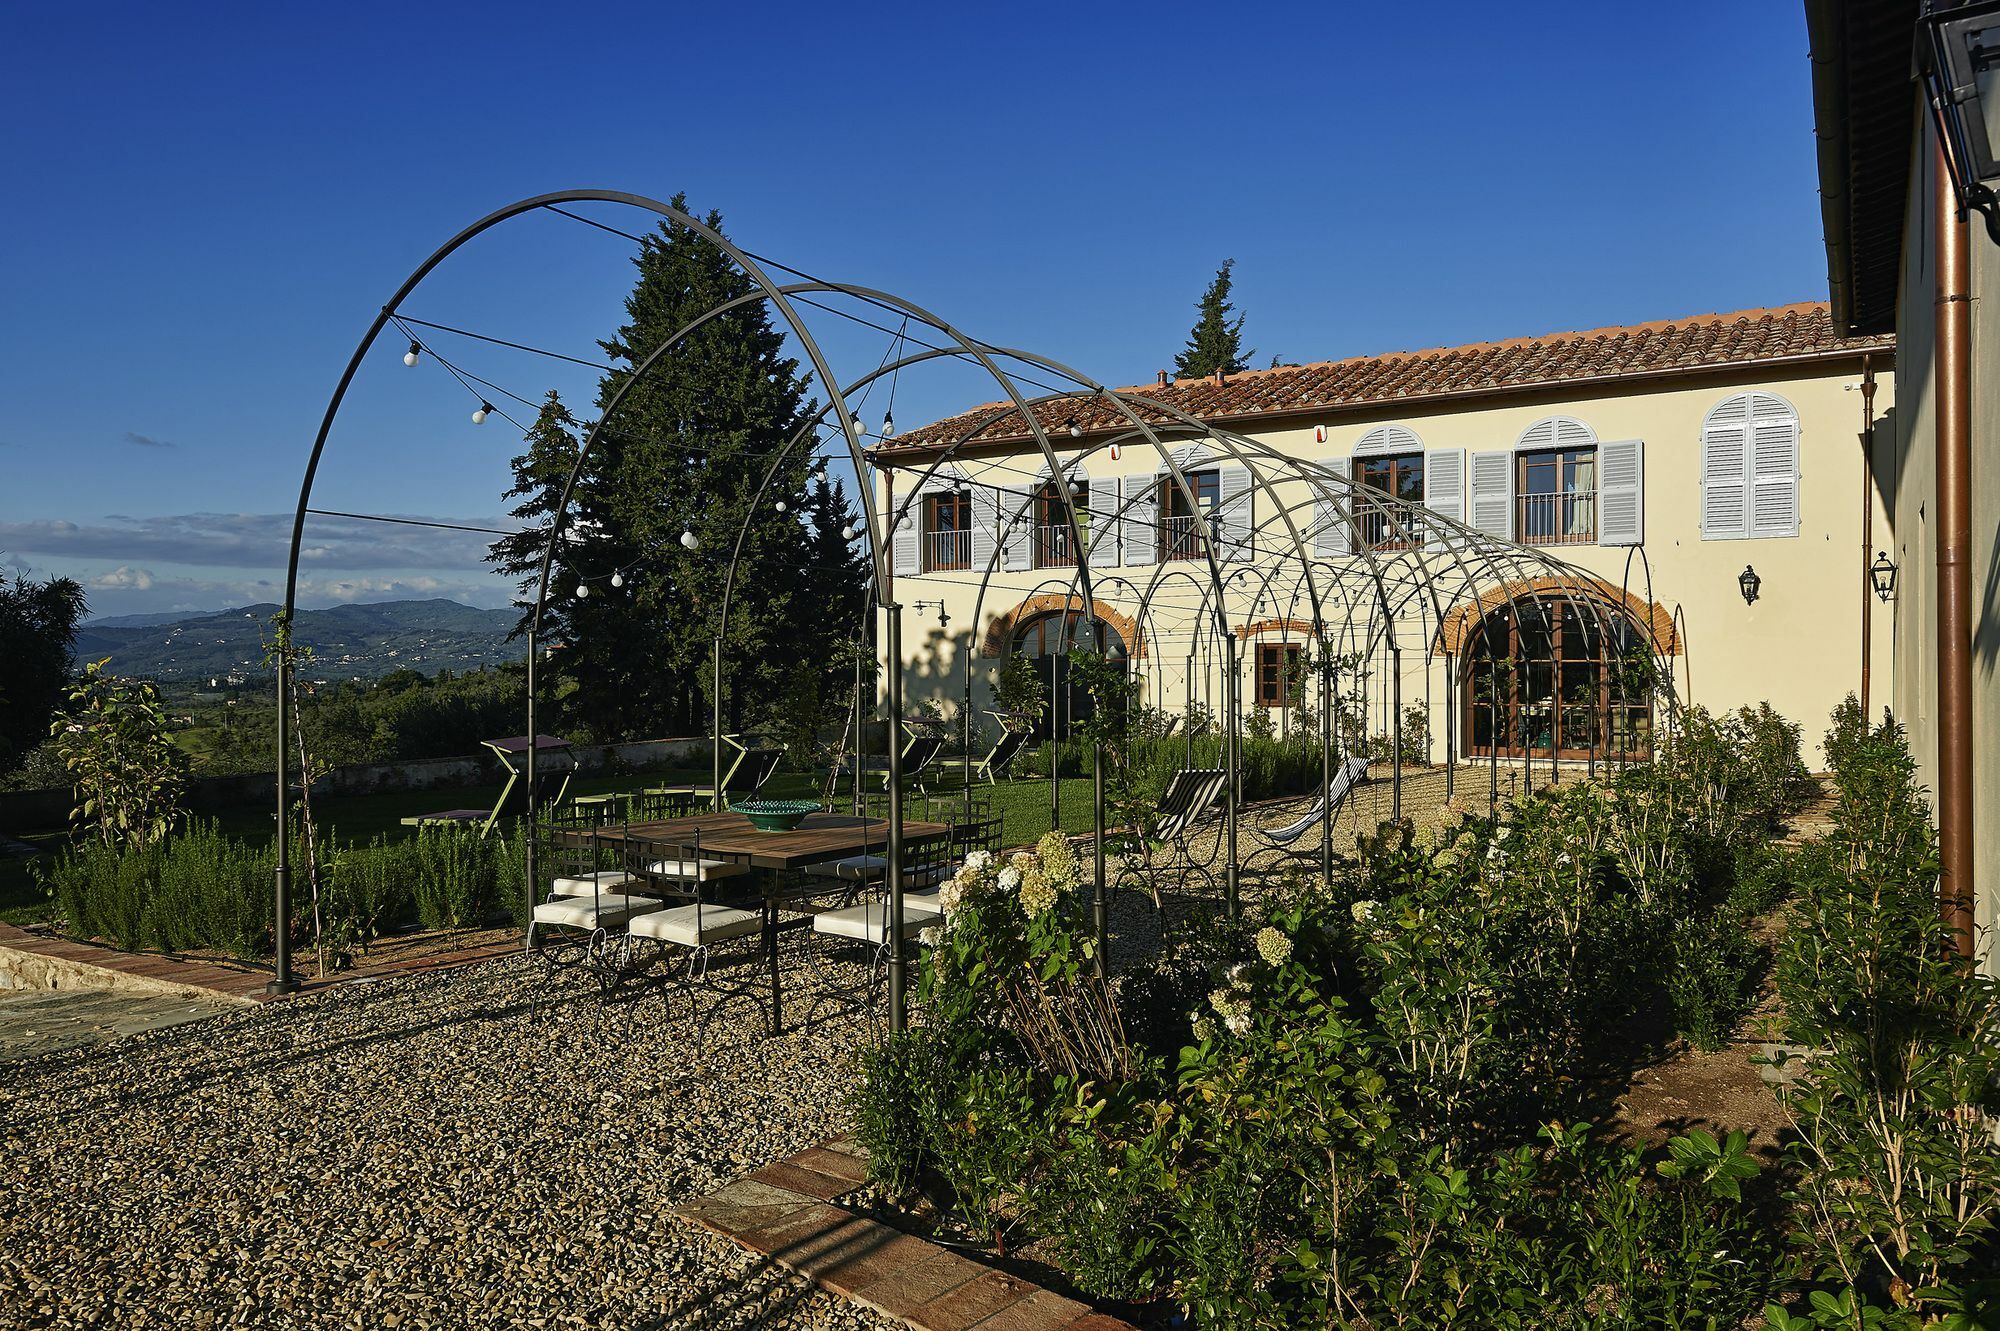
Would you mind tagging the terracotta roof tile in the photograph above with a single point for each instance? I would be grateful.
(1743, 338)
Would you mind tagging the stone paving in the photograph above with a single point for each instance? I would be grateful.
(41, 1021)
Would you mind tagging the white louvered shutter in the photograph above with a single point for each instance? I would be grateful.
(1104, 523)
(1017, 528)
(1621, 492)
(1774, 474)
(985, 527)
(905, 540)
(1556, 432)
(1492, 499)
(1142, 521)
(1444, 486)
(1234, 508)
(1725, 454)
(1329, 530)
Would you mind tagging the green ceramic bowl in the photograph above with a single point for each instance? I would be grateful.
(775, 815)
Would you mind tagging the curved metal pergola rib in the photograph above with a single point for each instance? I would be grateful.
(1369, 575)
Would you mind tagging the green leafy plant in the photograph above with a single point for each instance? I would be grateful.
(119, 750)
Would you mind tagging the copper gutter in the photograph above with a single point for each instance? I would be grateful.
(1954, 545)
(1867, 526)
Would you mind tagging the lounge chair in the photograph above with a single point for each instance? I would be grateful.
(997, 760)
(1189, 794)
(551, 783)
(1349, 775)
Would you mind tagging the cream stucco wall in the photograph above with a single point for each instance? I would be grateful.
(1907, 472)
(1798, 647)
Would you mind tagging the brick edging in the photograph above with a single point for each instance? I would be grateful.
(785, 1211)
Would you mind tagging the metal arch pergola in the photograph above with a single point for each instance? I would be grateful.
(1359, 604)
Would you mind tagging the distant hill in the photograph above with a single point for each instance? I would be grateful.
(367, 641)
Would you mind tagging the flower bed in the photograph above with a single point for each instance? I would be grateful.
(1365, 1105)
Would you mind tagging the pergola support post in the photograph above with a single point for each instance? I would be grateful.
(282, 979)
(893, 643)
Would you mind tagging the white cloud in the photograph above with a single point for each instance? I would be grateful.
(122, 578)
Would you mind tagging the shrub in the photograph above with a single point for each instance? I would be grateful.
(454, 877)
(1899, 1175)
(102, 890)
(370, 888)
(212, 891)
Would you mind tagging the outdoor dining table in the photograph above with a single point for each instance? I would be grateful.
(819, 838)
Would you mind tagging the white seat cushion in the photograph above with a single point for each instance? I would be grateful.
(608, 881)
(695, 926)
(853, 869)
(869, 921)
(601, 912)
(695, 870)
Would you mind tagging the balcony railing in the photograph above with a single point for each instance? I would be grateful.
(947, 550)
(1380, 529)
(1569, 518)
(1181, 537)
(1053, 547)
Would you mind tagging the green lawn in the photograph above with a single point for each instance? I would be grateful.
(1022, 805)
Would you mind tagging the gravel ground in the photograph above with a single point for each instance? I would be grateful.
(487, 1147)
(480, 1148)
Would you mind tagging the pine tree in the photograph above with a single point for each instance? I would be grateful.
(1215, 343)
(685, 453)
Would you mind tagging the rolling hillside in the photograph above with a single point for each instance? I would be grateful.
(364, 641)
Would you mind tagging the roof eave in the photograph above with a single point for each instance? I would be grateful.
(1878, 346)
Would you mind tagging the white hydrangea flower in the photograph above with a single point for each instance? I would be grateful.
(930, 935)
(1362, 911)
(1010, 878)
(1273, 946)
(1237, 1022)
(1204, 1029)
(978, 860)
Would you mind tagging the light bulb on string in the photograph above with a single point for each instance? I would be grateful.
(689, 542)
(780, 505)
(888, 426)
(583, 591)
(617, 579)
(485, 410)
(847, 532)
(1075, 430)
(416, 350)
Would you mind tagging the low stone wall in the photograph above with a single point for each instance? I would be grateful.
(33, 810)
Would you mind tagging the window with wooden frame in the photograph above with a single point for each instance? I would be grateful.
(1397, 474)
(948, 530)
(1278, 665)
(1556, 495)
(1181, 524)
(1053, 545)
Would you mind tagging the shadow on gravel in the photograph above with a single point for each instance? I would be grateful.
(725, 1298)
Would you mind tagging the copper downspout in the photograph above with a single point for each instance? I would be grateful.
(1954, 542)
(1867, 526)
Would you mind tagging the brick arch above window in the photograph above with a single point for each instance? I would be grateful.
(1001, 628)
(1651, 616)
(1285, 626)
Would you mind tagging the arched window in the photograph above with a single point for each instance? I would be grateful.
(1042, 638)
(1389, 458)
(1554, 675)
(1750, 468)
(1555, 483)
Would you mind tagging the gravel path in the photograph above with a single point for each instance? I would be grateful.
(41, 1021)
(481, 1148)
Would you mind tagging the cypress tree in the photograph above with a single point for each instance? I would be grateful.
(1216, 341)
(684, 454)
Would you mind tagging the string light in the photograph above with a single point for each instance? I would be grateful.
(689, 542)
(888, 426)
(416, 350)
(847, 532)
(781, 505)
(617, 579)
(583, 591)
(1075, 430)
(479, 417)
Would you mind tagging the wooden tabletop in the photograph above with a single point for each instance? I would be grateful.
(729, 836)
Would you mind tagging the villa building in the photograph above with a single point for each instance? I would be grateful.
(1687, 466)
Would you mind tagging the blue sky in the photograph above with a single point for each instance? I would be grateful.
(207, 204)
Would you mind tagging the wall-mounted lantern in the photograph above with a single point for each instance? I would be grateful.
(1959, 50)
(1883, 574)
(1749, 582)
